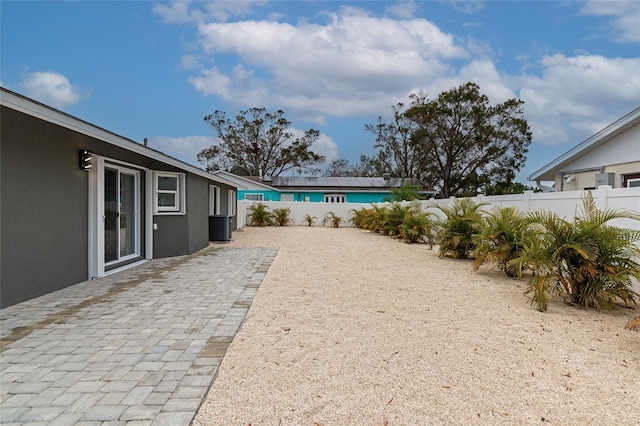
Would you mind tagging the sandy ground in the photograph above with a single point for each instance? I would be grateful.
(353, 328)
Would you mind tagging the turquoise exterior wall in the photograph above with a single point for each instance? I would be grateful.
(367, 197)
(317, 197)
(266, 194)
(314, 197)
(352, 197)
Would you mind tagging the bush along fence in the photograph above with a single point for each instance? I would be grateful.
(589, 256)
(565, 204)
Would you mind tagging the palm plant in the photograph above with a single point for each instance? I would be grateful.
(358, 217)
(418, 226)
(591, 262)
(310, 220)
(394, 215)
(500, 238)
(281, 216)
(260, 215)
(333, 219)
(374, 221)
(464, 217)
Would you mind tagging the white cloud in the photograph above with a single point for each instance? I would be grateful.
(624, 17)
(183, 148)
(352, 65)
(357, 64)
(404, 10)
(52, 89)
(566, 102)
(220, 11)
(467, 6)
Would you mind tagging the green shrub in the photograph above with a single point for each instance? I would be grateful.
(464, 218)
(500, 238)
(260, 215)
(281, 216)
(418, 226)
(309, 220)
(394, 215)
(373, 221)
(333, 219)
(587, 260)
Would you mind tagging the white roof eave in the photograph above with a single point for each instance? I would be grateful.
(548, 171)
(35, 109)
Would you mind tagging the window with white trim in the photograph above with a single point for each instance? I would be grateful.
(254, 197)
(335, 198)
(231, 211)
(631, 180)
(632, 183)
(169, 193)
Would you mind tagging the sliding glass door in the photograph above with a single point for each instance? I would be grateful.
(121, 214)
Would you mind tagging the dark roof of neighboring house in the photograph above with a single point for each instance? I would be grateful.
(340, 183)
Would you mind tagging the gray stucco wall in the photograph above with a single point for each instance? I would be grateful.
(44, 206)
(198, 211)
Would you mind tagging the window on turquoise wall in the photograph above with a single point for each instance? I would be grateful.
(254, 197)
(335, 198)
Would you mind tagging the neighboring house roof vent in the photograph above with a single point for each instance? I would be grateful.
(386, 176)
(267, 178)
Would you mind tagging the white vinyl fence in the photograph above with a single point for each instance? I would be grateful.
(566, 204)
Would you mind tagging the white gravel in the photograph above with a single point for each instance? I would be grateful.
(354, 328)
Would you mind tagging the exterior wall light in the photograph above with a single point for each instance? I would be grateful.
(86, 158)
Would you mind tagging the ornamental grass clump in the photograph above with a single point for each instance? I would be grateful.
(587, 261)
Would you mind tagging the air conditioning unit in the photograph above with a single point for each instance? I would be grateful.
(605, 179)
(220, 228)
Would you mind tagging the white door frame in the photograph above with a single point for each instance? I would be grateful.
(96, 215)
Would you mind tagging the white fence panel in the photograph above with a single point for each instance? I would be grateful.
(566, 204)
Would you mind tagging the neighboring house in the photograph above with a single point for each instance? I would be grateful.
(610, 157)
(341, 189)
(319, 188)
(79, 202)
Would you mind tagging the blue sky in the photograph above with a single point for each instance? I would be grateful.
(147, 69)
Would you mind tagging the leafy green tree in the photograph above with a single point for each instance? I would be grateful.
(457, 143)
(406, 192)
(501, 188)
(468, 142)
(398, 151)
(259, 143)
(367, 167)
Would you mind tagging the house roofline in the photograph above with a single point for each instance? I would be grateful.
(232, 177)
(49, 114)
(609, 132)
